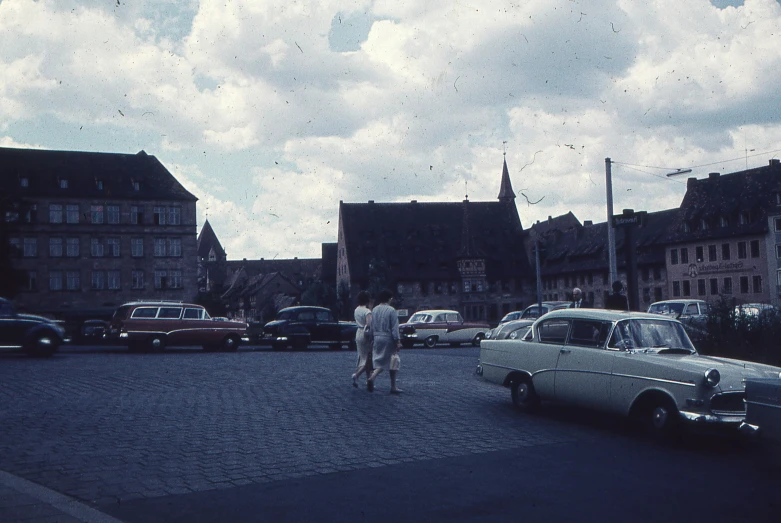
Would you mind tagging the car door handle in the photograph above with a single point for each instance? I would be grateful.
(565, 351)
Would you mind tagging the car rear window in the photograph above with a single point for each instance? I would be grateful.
(193, 314)
(170, 312)
(145, 312)
(553, 331)
(323, 316)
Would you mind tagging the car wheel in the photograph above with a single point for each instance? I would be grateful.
(430, 342)
(477, 339)
(43, 345)
(662, 419)
(156, 343)
(523, 394)
(230, 344)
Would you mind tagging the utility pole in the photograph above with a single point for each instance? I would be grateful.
(611, 235)
(539, 276)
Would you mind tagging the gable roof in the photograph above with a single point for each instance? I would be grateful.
(296, 269)
(44, 169)
(752, 191)
(422, 240)
(207, 240)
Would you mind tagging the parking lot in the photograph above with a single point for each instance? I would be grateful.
(119, 431)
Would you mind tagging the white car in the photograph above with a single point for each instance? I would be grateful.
(441, 326)
(681, 309)
(635, 364)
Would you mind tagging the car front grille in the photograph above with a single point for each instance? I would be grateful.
(728, 402)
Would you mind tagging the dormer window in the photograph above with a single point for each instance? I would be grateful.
(777, 196)
(63, 183)
(704, 225)
(136, 185)
(724, 221)
(743, 218)
(24, 182)
(687, 227)
(99, 184)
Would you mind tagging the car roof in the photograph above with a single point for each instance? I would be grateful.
(599, 314)
(160, 304)
(436, 311)
(678, 301)
(305, 308)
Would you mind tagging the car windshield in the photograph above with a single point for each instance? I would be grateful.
(658, 335)
(666, 308)
(420, 318)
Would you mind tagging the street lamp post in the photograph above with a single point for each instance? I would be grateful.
(611, 235)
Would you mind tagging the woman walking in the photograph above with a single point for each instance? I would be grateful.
(363, 317)
(385, 326)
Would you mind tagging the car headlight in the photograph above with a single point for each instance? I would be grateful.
(513, 335)
(712, 377)
(488, 334)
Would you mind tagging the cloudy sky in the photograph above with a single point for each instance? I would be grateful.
(271, 112)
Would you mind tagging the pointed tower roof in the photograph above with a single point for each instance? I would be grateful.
(207, 240)
(506, 189)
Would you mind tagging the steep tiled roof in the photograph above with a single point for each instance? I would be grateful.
(297, 269)
(422, 240)
(506, 189)
(44, 169)
(207, 240)
(752, 192)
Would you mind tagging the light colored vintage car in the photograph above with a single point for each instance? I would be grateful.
(635, 364)
(441, 326)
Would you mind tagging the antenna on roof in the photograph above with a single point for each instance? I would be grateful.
(504, 146)
(466, 196)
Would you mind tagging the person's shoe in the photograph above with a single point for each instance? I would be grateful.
(396, 391)
(355, 381)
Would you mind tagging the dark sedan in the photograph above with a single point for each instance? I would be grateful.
(36, 335)
(298, 327)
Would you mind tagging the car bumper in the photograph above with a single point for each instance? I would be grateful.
(716, 419)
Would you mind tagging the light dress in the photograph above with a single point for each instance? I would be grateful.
(385, 325)
(363, 345)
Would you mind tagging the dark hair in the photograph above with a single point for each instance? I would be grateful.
(618, 286)
(364, 298)
(384, 296)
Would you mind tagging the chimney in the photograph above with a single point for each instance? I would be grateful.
(690, 183)
(414, 201)
(588, 223)
(371, 201)
(713, 176)
(550, 219)
(775, 162)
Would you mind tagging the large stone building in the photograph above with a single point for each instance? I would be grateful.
(468, 256)
(90, 231)
(723, 242)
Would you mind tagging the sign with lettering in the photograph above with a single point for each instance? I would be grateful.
(628, 220)
(713, 268)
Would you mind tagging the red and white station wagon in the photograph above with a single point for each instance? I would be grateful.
(155, 325)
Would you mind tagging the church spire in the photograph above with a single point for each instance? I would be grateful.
(506, 193)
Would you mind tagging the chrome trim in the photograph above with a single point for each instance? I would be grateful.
(763, 404)
(10, 346)
(659, 380)
(698, 417)
(748, 428)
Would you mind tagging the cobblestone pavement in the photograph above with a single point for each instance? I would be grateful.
(108, 427)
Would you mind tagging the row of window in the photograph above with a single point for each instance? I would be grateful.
(716, 287)
(64, 183)
(657, 295)
(682, 255)
(99, 214)
(99, 247)
(101, 280)
(588, 279)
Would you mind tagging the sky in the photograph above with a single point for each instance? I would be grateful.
(271, 112)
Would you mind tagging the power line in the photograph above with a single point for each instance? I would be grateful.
(694, 166)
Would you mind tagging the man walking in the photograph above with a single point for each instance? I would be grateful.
(578, 301)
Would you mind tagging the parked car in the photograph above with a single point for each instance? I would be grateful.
(534, 311)
(92, 331)
(510, 316)
(35, 335)
(156, 325)
(681, 309)
(441, 326)
(509, 330)
(763, 408)
(298, 327)
(635, 364)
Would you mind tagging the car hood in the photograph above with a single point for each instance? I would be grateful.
(274, 323)
(33, 317)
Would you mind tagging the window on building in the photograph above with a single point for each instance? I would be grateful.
(96, 214)
(699, 252)
(714, 286)
(55, 213)
(98, 280)
(778, 251)
(757, 284)
(174, 216)
(136, 247)
(63, 182)
(159, 247)
(673, 256)
(687, 227)
(723, 221)
(136, 214)
(645, 273)
(72, 213)
(743, 218)
(687, 288)
(24, 182)
(685, 255)
(744, 284)
(658, 294)
(725, 251)
(15, 245)
(161, 280)
(72, 247)
(32, 281)
(175, 278)
(137, 280)
(113, 280)
(742, 251)
(136, 185)
(112, 214)
(728, 285)
(646, 295)
(55, 247)
(467, 286)
(657, 273)
(174, 247)
(704, 225)
(676, 289)
(113, 247)
(778, 277)
(158, 215)
(96, 248)
(778, 197)
(55, 280)
(30, 247)
(701, 287)
(754, 248)
(712, 253)
(73, 280)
